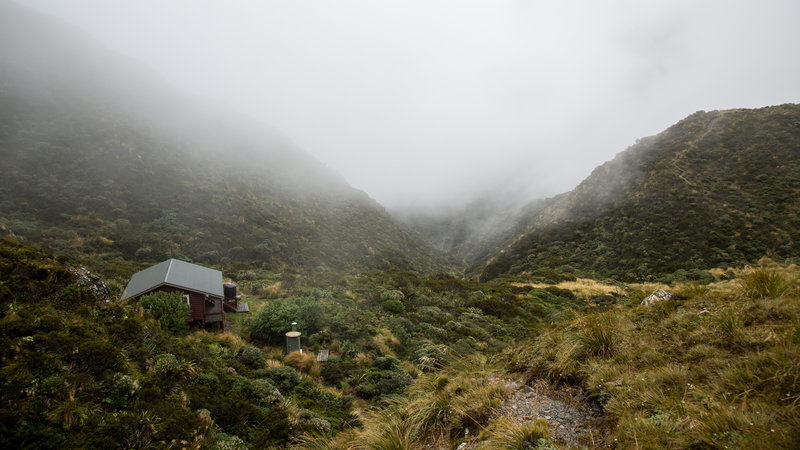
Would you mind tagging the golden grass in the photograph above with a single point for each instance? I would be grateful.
(512, 434)
(303, 362)
(383, 340)
(584, 287)
(272, 290)
(232, 341)
(719, 369)
(273, 363)
(581, 286)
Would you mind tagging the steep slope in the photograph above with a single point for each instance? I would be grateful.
(80, 371)
(105, 162)
(715, 189)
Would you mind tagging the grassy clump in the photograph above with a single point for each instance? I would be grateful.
(766, 283)
(512, 434)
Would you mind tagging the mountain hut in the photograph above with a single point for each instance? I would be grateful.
(202, 288)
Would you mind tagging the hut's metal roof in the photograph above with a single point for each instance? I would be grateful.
(177, 273)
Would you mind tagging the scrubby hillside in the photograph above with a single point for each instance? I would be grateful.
(718, 366)
(717, 188)
(103, 161)
(80, 371)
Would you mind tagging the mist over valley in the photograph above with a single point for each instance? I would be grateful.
(399, 225)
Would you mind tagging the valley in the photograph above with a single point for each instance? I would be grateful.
(499, 323)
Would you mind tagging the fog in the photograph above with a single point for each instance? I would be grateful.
(429, 103)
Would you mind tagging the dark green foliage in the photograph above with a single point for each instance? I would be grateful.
(251, 355)
(274, 320)
(335, 371)
(494, 307)
(170, 309)
(285, 378)
(384, 377)
(330, 406)
(393, 306)
(96, 356)
(104, 375)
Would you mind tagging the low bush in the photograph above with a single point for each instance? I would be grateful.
(251, 356)
(170, 309)
(393, 306)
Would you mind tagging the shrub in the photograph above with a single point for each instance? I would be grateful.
(285, 378)
(385, 376)
(274, 319)
(170, 309)
(97, 355)
(431, 356)
(208, 379)
(392, 295)
(262, 391)
(494, 307)
(393, 306)
(226, 441)
(251, 355)
(166, 363)
(121, 388)
(335, 372)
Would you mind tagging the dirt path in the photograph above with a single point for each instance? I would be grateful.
(573, 422)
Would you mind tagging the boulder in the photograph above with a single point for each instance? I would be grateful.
(85, 278)
(658, 296)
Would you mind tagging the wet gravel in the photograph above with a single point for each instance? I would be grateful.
(573, 421)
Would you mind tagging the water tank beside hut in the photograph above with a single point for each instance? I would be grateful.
(229, 289)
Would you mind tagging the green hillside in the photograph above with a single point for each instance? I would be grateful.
(717, 189)
(80, 371)
(104, 162)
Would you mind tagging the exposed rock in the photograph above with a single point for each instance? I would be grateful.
(85, 278)
(658, 296)
(572, 424)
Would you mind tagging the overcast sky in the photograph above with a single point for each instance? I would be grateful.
(424, 102)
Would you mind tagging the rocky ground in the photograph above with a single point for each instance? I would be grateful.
(574, 422)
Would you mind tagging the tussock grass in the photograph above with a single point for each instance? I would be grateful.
(692, 290)
(303, 362)
(763, 282)
(720, 368)
(230, 340)
(596, 334)
(434, 411)
(384, 340)
(513, 434)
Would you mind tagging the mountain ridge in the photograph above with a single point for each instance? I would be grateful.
(715, 189)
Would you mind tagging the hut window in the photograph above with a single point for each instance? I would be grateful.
(186, 298)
